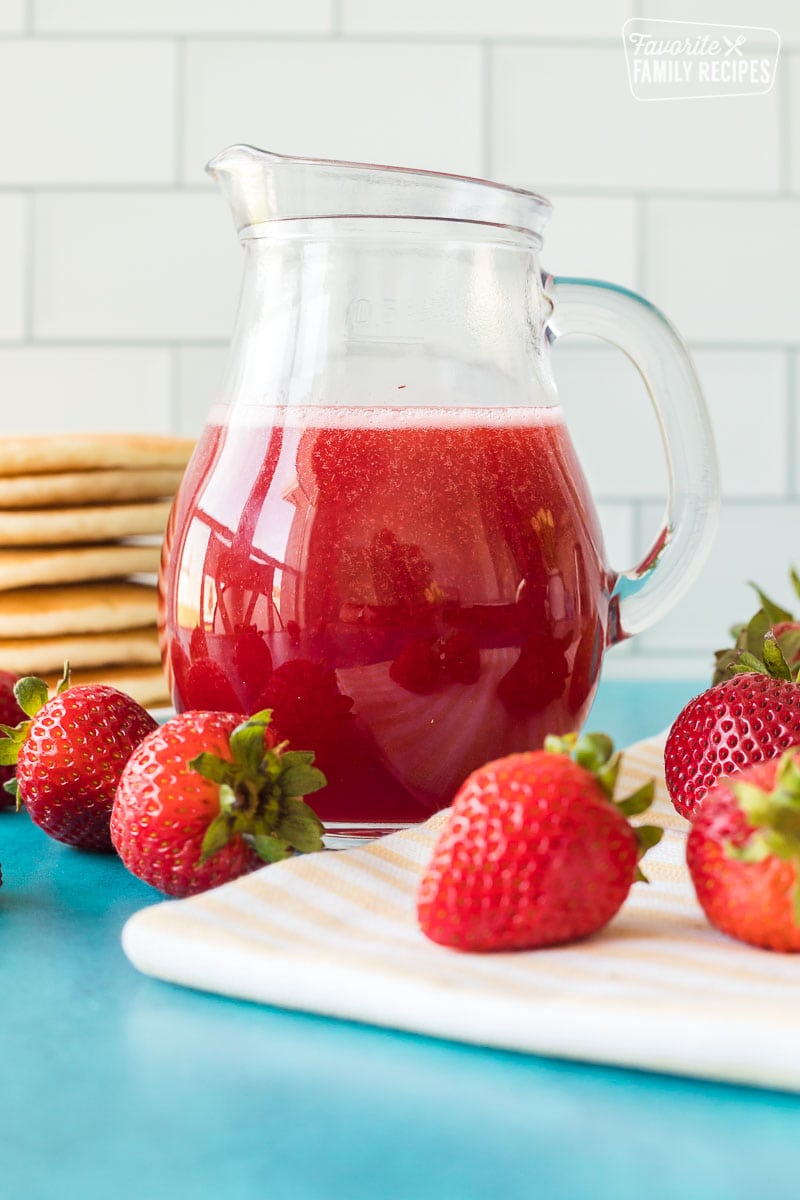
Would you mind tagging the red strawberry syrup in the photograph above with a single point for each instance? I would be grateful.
(413, 592)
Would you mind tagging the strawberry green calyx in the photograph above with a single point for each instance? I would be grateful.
(775, 817)
(595, 753)
(754, 647)
(770, 661)
(31, 695)
(261, 794)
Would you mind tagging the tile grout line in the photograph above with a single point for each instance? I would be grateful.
(179, 115)
(175, 382)
(29, 269)
(248, 36)
(785, 126)
(790, 417)
(642, 212)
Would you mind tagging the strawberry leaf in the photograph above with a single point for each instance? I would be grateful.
(789, 642)
(724, 661)
(213, 768)
(31, 694)
(638, 801)
(295, 758)
(758, 627)
(560, 745)
(754, 850)
(10, 744)
(9, 752)
(217, 835)
(270, 848)
(593, 751)
(748, 662)
(302, 780)
(260, 793)
(247, 744)
(774, 661)
(263, 717)
(647, 836)
(300, 826)
(772, 611)
(795, 578)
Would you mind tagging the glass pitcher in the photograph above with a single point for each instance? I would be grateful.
(384, 534)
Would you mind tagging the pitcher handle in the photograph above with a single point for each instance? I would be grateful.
(643, 594)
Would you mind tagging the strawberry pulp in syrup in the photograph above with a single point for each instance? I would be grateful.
(413, 592)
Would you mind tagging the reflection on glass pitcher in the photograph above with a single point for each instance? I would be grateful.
(385, 534)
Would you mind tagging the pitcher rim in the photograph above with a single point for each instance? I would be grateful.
(278, 158)
(237, 162)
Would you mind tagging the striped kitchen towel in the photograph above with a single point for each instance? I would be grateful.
(335, 933)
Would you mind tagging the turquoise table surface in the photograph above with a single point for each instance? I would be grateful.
(119, 1087)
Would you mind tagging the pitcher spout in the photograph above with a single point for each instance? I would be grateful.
(261, 186)
(241, 172)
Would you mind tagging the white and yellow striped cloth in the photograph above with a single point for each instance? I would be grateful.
(335, 933)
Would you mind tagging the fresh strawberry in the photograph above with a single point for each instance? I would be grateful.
(743, 854)
(535, 851)
(744, 720)
(209, 796)
(69, 756)
(10, 714)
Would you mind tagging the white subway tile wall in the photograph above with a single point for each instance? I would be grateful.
(63, 388)
(14, 242)
(477, 18)
(184, 16)
(13, 15)
(564, 115)
(792, 88)
(781, 15)
(119, 267)
(69, 115)
(132, 266)
(366, 101)
(594, 236)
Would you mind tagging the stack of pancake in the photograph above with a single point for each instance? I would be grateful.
(81, 523)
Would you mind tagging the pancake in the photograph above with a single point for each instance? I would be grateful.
(39, 656)
(66, 564)
(93, 523)
(86, 487)
(38, 454)
(76, 608)
(145, 684)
